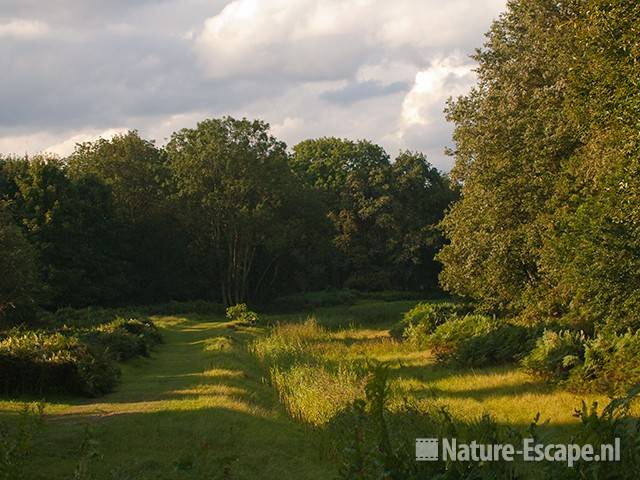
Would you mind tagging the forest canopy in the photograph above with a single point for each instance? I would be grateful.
(223, 212)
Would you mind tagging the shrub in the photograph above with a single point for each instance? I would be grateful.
(240, 313)
(39, 363)
(449, 337)
(419, 322)
(124, 338)
(506, 343)
(611, 364)
(555, 354)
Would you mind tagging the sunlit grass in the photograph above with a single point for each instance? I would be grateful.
(197, 409)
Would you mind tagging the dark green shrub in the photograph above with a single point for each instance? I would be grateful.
(420, 322)
(124, 338)
(611, 364)
(241, 313)
(555, 354)
(40, 363)
(506, 343)
(448, 338)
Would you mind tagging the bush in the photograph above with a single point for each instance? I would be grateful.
(506, 343)
(240, 313)
(125, 338)
(420, 322)
(448, 338)
(555, 354)
(611, 364)
(40, 363)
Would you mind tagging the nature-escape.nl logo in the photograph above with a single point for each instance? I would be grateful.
(430, 449)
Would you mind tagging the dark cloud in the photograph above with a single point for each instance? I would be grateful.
(357, 91)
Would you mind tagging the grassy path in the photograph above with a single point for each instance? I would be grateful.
(198, 409)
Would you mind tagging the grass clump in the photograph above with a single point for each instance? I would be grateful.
(310, 386)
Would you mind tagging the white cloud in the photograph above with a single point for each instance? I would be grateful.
(374, 69)
(19, 28)
(447, 77)
(57, 144)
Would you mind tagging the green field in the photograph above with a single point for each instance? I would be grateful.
(206, 406)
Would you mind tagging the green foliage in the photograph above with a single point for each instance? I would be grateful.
(244, 206)
(124, 338)
(547, 160)
(38, 362)
(447, 338)
(422, 320)
(369, 199)
(241, 313)
(16, 442)
(555, 354)
(611, 364)
(19, 267)
(505, 344)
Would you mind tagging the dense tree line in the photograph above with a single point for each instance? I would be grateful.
(224, 211)
(548, 156)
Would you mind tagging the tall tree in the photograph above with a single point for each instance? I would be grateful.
(72, 226)
(19, 285)
(421, 194)
(511, 135)
(354, 180)
(241, 199)
(547, 147)
(153, 241)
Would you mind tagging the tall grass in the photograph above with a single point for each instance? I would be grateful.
(310, 385)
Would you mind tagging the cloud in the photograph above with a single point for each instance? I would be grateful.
(354, 68)
(20, 28)
(444, 78)
(356, 91)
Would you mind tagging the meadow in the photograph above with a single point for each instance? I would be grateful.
(222, 399)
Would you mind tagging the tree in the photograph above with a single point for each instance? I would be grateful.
(547, 151)
(241, 200)
(421, 194)
(354, 181)
(152, 239)
(18, 263)
(71, 225)
(512, 135)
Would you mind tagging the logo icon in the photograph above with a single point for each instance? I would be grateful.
(426, 449)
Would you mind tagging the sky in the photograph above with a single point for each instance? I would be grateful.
(382, 70)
